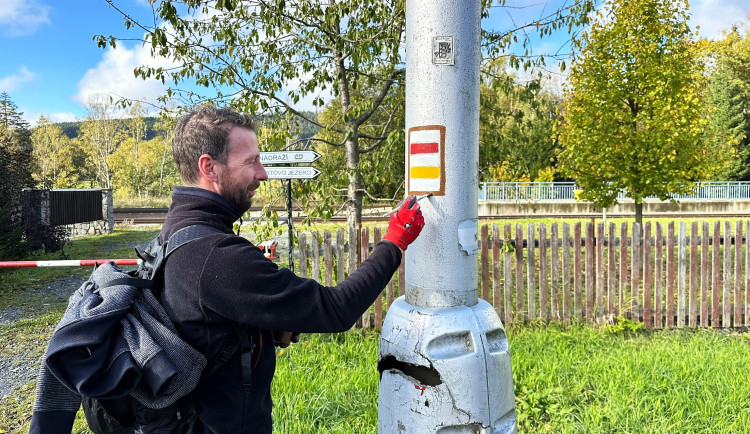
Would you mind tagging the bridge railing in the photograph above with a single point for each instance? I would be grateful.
(557, 191)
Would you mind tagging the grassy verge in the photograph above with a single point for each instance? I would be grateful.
(569, 380)
(15, 282)
(585, 380)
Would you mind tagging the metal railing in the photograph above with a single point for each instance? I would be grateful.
(555, 191)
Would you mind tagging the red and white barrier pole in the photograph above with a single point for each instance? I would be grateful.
(67, 263)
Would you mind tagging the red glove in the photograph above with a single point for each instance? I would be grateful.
(405, 224)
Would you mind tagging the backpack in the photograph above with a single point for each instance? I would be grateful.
(149, 389)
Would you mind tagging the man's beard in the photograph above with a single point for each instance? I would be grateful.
(239, 196)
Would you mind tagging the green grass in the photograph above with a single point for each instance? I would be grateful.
(577, 379)
(327, 384)
(581, 380)
(568, 380)
(15, 282)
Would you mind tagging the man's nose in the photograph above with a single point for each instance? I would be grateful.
(262, 175)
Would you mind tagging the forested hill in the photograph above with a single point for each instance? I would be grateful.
(72, 129)
(306, 129)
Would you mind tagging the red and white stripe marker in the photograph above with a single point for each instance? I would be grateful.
(67, 263)
(426, 160)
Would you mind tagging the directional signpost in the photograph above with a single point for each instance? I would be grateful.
(288, 157)
(289, 173)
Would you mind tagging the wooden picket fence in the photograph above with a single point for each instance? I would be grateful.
(664, 275)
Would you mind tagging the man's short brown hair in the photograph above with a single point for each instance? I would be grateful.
(205, 130)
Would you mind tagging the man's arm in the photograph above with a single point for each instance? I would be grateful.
(260, 294)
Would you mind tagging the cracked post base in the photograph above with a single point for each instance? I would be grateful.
(445, 371)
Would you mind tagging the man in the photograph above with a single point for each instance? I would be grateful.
(222, 283)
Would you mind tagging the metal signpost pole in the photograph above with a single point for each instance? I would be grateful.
(288, 173)
(444, 358)
(289, 223)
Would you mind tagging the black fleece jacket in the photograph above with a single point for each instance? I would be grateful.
(222, 280)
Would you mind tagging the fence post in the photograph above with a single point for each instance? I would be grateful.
(727, 301)
(577, 305)
(365, 252)
(693, 300)
(543, 287)
(302, 254)
(635, 270)
(328, 257)
(554, 272)
(485, 261)
(566, 274)
(704, 275)
(379, 300)
(600, 288)
(681, 275)
(507, 277)
(715, 273)
(670, 275)
(496, 299)
(520, 305)
(623, 270)
(738, 305)
(340, 257)
(531, 272)
(315, 244)
(590, 271)
(747, 273)
(658, 277)
(647, 276)
(611, 255)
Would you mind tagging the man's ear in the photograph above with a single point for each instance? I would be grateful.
(207, 167)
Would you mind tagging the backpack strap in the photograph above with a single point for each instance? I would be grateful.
(187, 235)
(155, 255)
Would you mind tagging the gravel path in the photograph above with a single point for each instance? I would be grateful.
(19, 360)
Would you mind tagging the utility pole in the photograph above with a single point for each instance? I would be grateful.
(444, 358)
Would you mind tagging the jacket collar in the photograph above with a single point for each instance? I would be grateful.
(192, 205)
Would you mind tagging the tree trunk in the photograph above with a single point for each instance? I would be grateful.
(639, 211)
(354, 190)
(354, 195)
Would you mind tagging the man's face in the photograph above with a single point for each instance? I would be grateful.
(242, 174)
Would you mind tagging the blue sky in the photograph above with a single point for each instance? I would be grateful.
(50, 64)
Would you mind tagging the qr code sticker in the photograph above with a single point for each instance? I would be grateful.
(442, 50)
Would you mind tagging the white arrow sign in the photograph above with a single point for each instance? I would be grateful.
(288, 157)
(285, 172)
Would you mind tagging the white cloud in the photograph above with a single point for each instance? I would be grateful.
(13, 82)
(113, 76)
(22, 17)
(713, 16)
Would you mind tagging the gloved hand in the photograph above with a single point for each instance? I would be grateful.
(405, 224)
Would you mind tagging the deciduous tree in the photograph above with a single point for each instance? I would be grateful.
(516, 134)
(269, 55)
(101, 133)
(635, 112)
(53, 163)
